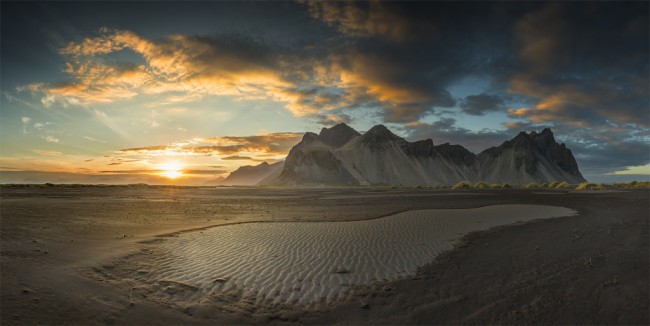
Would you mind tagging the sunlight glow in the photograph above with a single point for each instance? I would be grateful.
(171, 170)
(641, 169)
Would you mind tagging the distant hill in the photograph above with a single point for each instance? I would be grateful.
(251, 175)
(342, 156)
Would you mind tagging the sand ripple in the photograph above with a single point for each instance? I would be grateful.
(308, 262)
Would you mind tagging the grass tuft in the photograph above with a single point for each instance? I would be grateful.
(462, 185)
(480, 185)
(590, 186)
(563, 185)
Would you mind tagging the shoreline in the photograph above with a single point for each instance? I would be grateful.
(22, 266)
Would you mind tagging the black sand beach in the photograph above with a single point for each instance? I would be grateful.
(61, 249)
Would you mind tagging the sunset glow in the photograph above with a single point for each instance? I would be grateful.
(171, 170)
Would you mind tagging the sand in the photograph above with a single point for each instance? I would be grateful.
(69, 256)
(305, 263)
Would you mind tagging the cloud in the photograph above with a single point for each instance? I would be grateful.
(370, 18)
(333, 119)
(554, 64)
(269, 144)
(93, 139)
(46, 152)
(240, 158)
(274, 143)
(445, 130)
(51, 139)
(582, 70)
(158, 171)
(482, 103)
(635, 170)
(402, 81)
(205, 172)
(192, 65)
(25, 121)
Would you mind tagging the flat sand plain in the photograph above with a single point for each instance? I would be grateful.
(67, 257)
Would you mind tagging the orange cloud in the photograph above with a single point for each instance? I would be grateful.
(179, 63)
(192, 67)
(277, 144)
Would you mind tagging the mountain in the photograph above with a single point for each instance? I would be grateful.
(338, 135)
(342, 156)
(381, 157)
(527, 158)
(216, 181)
(312, 162)
(251, 175)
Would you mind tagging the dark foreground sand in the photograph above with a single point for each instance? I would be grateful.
(61, 250)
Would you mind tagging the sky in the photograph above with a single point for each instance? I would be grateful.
(186, 92)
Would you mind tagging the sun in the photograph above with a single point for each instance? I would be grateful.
(171, 170)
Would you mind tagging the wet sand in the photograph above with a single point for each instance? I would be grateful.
(65, 257)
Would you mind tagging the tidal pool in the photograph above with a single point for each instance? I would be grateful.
(309, 262)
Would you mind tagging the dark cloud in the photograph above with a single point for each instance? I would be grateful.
(333, 119)
(582, 69)
(445, 130)
(482, 103)
(370, 18)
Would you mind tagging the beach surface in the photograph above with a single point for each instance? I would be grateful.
(140, 255)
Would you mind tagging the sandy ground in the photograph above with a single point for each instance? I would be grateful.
(61, 249)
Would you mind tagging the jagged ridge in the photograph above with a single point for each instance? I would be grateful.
(342, 156)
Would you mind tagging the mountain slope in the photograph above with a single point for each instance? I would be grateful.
(381, 157)
(251, 175)
(342, 156)
(311, 162)
(529, 158)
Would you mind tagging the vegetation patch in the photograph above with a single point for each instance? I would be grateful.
(590, 186)
(462, 185)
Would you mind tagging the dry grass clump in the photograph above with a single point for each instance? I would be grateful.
(495, 186)
(563, 185)
(481, 185)
(462, 185)
(530, 185)
(553, 184)
(633, 184)
(590, 186)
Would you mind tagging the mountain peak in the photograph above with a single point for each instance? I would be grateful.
(547, 131)
(337, 127)
(337, 135)
(309, 136)
(379, 136)
(338, 155)
(380, 130)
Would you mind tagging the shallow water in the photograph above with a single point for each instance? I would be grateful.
(307, 262)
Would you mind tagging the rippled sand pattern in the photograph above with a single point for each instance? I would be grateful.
(306, 262)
